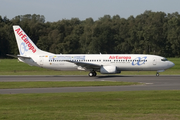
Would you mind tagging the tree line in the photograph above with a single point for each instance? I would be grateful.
(155, 33)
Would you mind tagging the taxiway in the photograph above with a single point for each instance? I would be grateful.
(150, 83)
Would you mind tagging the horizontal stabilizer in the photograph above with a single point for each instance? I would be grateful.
(18, 56)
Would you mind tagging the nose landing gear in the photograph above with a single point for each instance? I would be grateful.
(157, 74)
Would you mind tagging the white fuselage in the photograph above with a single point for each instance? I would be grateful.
(123, 62)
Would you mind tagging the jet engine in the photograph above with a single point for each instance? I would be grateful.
(109, 70)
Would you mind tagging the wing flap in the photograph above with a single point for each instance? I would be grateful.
(88, 66)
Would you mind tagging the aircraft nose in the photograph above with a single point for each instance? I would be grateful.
(171, 64)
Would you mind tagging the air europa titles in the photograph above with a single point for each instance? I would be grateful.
(25, 39)
(120, 57)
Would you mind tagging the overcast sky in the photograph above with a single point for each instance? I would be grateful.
(55, 10)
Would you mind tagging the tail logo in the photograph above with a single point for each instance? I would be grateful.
(23, 48)
(26, 41)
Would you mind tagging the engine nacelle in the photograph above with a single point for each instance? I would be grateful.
(109, 70)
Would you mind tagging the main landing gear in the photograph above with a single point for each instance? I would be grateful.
(157, 74)
(92, 73)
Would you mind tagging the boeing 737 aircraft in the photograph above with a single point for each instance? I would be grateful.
(103, 63)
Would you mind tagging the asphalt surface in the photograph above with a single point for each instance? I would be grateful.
(150, 83)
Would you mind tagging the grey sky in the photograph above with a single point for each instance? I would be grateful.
(55, 10)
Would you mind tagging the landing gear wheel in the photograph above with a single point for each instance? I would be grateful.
(157, 74)
(94, 73)
(91, 74)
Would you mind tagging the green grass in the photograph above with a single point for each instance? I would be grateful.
(14, 67)
(129, 105)
(50, 84)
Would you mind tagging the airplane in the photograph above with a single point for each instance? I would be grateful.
(103, 63)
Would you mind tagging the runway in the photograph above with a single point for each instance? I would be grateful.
(150, 83)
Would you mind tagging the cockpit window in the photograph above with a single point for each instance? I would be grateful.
(164, 59)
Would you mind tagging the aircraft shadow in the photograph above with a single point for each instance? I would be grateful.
(112, 76)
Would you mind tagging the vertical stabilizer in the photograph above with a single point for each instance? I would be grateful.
(25, 45)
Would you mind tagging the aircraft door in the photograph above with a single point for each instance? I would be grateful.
(41, 60)
(154, 61)
(112, 61)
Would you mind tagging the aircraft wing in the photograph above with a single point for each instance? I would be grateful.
(18, 56)
(88, 66)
